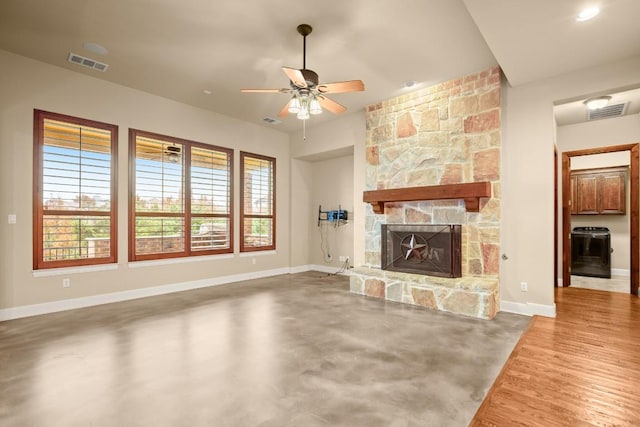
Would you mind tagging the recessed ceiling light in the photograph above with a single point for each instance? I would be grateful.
(207, 92)
(597, 102)
(588, 13)
(95, 48)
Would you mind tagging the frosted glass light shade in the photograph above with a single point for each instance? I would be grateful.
(315, 107)
(294, 105)
(303, 114)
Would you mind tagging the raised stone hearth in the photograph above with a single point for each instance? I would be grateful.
(469, 296)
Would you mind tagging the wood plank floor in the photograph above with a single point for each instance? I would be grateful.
(580, 369)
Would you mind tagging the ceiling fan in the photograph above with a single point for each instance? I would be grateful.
(172, 153)
(308, 94)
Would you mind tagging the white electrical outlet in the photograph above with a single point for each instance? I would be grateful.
(66, 283)
(253, 261)
(12, 218)
(523, 286)
(342, 258)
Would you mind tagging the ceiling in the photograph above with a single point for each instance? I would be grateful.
(180, 49)
(576, 112)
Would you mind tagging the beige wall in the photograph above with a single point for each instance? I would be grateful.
(26, 84)
(328, 146)
(302, 211)
(527, 174)
(332, 139)
(332, 187)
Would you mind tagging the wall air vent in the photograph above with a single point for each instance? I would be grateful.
(611, 110)
(87, 62)
(271, 121)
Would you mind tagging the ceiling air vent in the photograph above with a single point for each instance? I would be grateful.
(611, 110)
(272, 121)
(87, 62)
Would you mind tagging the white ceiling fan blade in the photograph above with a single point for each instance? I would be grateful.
(341, 87)
(284, 111)
(331, 105)
(295, 76)
(283, 90)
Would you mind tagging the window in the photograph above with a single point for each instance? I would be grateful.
(75, 191)
(258, 201)
(178, 185)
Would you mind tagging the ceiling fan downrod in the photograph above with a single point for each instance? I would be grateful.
(304, 30)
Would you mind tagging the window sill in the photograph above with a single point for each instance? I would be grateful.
(256, 253)
(73, 270)
(183, 260)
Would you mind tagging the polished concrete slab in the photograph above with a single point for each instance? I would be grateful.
(291, 350)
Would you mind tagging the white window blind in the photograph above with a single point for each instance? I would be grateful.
(183, 198)
(75, 192)
(258, 202)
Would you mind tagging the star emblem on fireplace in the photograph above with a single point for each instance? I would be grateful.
(413, 247)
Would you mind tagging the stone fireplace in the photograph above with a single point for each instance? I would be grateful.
(433, 158)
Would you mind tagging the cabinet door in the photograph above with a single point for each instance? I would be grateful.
(587, 194)
(574, 195)
(612, 193)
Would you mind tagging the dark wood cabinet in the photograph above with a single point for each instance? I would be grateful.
(598, 191)
(574, 194)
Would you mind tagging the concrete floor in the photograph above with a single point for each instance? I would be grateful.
(292, 350)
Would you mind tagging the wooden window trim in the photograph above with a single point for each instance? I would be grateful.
(187, 252)
(39, 116)
(243, 215)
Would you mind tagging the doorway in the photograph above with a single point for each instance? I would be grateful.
(634, 210)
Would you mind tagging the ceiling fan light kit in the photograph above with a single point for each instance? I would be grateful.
(307, 93)
(314, 106)
(173, 154)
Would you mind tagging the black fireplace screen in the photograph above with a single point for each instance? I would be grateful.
(433, 250)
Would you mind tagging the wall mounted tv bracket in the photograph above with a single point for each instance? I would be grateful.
(339, 216)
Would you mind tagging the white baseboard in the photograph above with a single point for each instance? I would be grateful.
(70, 304)
(300, 269)
(620, 272)
(329, 270)
(320, 268)
(528, 308)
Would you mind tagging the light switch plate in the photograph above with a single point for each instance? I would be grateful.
(12, 218)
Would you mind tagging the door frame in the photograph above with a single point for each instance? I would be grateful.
(634, 210)
(555, 215)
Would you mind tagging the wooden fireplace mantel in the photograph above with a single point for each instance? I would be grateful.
(471, 193)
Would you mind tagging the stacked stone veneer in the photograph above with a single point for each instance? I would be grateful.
(445, 134)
